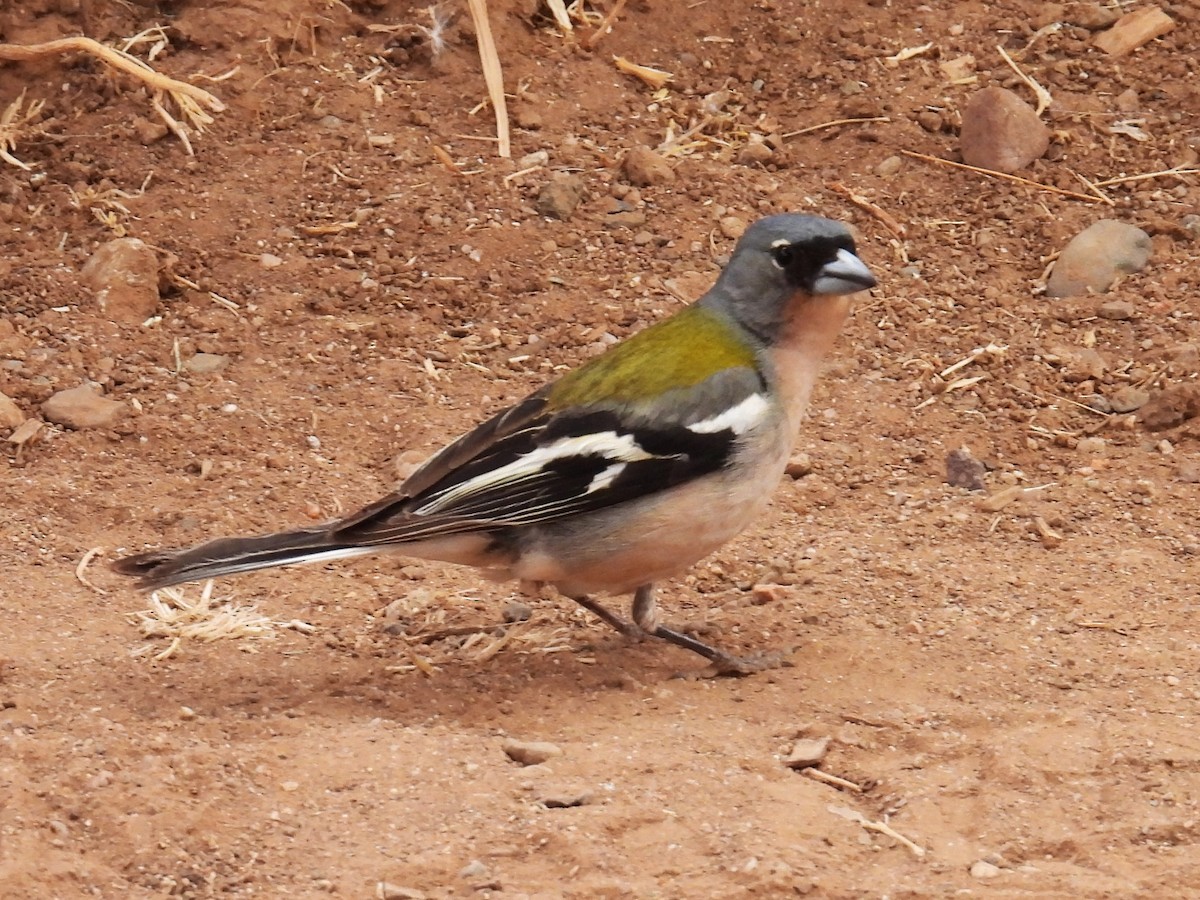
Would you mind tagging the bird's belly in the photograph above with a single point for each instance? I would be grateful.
(618, 550)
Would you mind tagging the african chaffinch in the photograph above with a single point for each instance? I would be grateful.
(623, 472)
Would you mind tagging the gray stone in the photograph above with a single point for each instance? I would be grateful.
(1127, 398)
(560, 196)
(1096, 256)
(82, 407)
(206, 363)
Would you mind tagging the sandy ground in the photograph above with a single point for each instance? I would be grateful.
(1010, 688)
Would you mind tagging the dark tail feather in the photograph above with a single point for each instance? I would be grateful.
(227, 556)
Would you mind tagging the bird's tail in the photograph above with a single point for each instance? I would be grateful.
(227, 556)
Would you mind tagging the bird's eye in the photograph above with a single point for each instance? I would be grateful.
(783, 255)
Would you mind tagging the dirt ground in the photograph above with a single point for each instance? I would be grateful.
(1010, 687)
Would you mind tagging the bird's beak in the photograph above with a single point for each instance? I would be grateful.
(846, 274)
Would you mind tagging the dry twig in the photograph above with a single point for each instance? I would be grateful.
(194, 104)
(1087, 198)
(833, 124)
(12, 122)
(889, 221)
(879, 827)
(491, 72)
(82, 567)
(590, 42)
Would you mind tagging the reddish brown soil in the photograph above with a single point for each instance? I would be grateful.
(999, 696)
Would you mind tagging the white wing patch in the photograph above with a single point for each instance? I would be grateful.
(739, 419)
(605, 479)
(620, 448)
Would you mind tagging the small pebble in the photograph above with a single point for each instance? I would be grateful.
(1116, 310)
(1128, 398)
(206, 363)
(982, 869)
(10, 414)
(82, 407)
(516, 611)
(560, 196)
(807, 752)
(270, 261)
(643, 167)
(798, 466)
(530, 753)
(564, 798)
(387, 891)
(964, 471)
(474, 871)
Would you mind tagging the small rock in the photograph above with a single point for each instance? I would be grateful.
(516, 611)
(755, 152)
(270, 261)
(1134, 29)
(1170, 407)
(982, 869)
(762, 594)
(1091, 16)
(531, 160)
(206, 363)
(964, 471)
(732, 227)
(531, 753)
(407, 463)
(124, 275)
(1092, 446)
(624, 216)
(386, 891)
(10, 414)
(564, 798)
(560, 196)
(1116, 310)
(1188, 471)
(1001, 132)
(798, 466)
(474, 870)
(1079, 362)
(930, 121)
(529, 117)
(82, 407)
(643, 167)
(807, 752)
(1096, 256)
(1127, 398)
(149, 131)
(889, 167)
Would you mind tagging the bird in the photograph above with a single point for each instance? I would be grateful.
(621, 473)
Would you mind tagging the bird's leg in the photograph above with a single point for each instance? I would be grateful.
(645, 617)
(629, 629)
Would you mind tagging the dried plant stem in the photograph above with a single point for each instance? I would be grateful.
(491, 72)
(194, 103)
(888, 220)
(1087, 198)
(590, 42)
(834, 123)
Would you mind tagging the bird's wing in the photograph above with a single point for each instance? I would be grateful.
(533, 464)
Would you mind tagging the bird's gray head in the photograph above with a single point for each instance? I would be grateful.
(780, 256)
